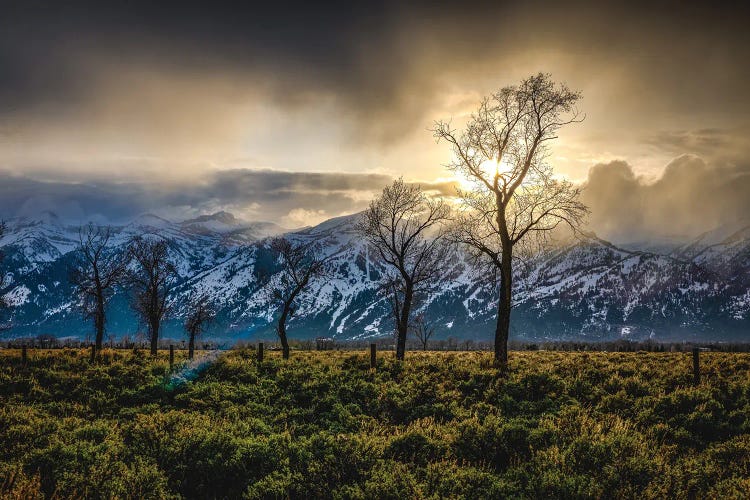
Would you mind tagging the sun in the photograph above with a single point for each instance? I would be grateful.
(489, 168)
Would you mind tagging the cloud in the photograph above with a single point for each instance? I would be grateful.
(296, 198)
(321, 84)
(714, 144)
(691, 196)
(300, 217)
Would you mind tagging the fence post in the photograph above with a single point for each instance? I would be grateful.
(171, 356)
(93, 353)
(24, 356)
(373, 355)
(696, 366)
(260, 352)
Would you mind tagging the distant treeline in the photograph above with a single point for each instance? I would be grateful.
(388, 344)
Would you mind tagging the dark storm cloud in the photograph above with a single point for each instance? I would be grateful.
(383, 61)
(44, 46)
(691, 196)
(256, 194)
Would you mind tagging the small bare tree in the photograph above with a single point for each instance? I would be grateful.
(406, 229)
(515, 199)
(95, 275)
(151, 282)
(422, 331)
(299, 264)
(202, 313)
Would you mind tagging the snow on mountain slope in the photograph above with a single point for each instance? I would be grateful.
(231, 228)
(587, 289)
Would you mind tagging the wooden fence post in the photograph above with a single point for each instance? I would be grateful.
(373, 355)
(93, 353)
(24, 356)
(260, 352)
(171, 357)
(696, 366)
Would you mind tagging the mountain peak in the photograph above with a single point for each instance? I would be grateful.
(149, 219)
(44, 217)
(342, 222)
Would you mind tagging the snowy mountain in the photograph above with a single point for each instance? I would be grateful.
(232, 229)
(588, 289)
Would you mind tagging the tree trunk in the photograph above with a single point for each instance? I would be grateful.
(191, 345)
(503, 309)
(284, 345)
(154, 337)
(99, 321)
(99, 314)
(403, 324)
(282, 331)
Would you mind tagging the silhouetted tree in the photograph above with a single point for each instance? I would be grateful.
(406, 230)
(150, 283)
(95, 274)
(299, 264)
(515, 197)
(201, 314)
(422, 331)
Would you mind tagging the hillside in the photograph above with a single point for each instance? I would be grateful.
(587, 289)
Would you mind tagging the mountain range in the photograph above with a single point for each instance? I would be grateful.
(585, 289)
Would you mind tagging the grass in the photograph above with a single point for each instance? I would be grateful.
(323, 425)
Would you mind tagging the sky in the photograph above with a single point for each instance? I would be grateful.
(300, 112)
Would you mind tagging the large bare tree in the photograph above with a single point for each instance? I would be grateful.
(96, 273)
(405, 227)
(515, 198)
(151, 282)
(202, 312)
(299, 264)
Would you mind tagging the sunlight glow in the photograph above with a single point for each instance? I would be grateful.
(489, 168)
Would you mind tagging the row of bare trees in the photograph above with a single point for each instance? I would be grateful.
(144, 268)
(514, 203)
(147, 271)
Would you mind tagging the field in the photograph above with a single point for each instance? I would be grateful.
(323, 425)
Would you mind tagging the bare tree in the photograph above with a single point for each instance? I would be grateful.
(151, 282)
(406, 229)
(515, 199)
(202, 313)
(299, 264)
(95, 275)
(422, 331)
